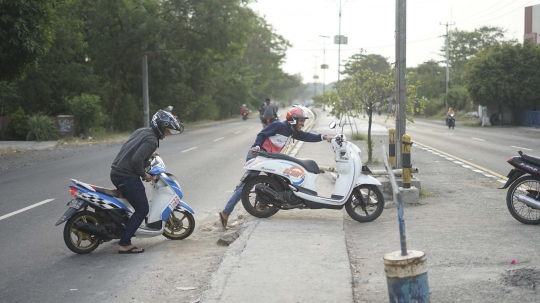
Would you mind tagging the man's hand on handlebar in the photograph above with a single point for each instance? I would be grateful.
(255, 149)
(148, 177)
(327, 138)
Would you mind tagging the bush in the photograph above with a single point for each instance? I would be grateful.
(41, 128)
(18, 124)
(87, 111)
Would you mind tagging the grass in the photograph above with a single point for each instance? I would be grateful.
(374, 161)
(426, 194)
(359, 136)
(97, 137)
(7, 151)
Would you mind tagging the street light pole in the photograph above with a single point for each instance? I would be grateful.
(339, 45)
(324, 61)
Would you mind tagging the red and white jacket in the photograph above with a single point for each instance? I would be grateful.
(274, 137)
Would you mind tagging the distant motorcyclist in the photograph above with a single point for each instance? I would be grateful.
(448, 113)
(245, 111)
(269, 113)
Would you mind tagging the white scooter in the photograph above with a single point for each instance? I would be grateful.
(290, 183)
(85, 230)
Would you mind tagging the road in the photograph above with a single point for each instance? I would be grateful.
(488, 147)
(36, 264)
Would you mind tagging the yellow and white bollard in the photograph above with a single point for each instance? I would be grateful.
(406, 160)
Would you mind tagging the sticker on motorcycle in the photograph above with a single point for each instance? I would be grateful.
(295, 173)
(175, 202)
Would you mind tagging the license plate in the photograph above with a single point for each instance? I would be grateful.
(244, 176)
(76, 204)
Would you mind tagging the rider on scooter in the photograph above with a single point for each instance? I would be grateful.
(127, 170)
(273, 139)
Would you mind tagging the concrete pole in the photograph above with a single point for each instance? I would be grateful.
(146, 118)
(401, 64)
(339, 45)
(447, 63)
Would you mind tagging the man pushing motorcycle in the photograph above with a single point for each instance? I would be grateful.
(273, 139)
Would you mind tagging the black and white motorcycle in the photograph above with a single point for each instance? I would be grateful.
(289, 183)
(523, 197)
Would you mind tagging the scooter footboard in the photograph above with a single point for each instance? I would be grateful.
(366, 179)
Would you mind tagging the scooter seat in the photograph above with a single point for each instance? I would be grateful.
(108, 191)
(310, 165)
(531, 159)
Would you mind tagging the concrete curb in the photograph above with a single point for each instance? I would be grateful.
(228, 263)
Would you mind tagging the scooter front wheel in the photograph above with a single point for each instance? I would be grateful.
(251, 201)
(179, 225)
(365, 204)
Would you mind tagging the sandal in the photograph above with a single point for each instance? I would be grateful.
(132, 250)
(223, 221)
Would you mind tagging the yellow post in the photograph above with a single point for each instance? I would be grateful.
(406, 160)
(392, 147)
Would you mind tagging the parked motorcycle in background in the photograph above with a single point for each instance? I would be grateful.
(96, 214)
(523, 197)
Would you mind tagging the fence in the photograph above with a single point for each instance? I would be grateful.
(528, 118)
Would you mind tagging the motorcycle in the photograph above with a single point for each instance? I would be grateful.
(96, 214)
(289, 183)
(244, 116)
(451, 121)
(523, 197)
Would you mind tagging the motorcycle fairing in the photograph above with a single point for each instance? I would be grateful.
(297, 174)
(100, 200)
(366, 179)
(173, 185)
(512, 176)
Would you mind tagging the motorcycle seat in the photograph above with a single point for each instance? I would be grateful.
(531, 159)
(310, 165)
(108, 191)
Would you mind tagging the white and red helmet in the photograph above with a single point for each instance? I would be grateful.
(295, 113)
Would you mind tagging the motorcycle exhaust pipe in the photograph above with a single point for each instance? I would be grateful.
(269, 195)
(98, 231)
(529, 201)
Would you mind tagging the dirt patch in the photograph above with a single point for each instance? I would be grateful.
(527, 278)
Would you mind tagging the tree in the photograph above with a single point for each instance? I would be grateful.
(505, 74)
(375, 63)
(25, 34)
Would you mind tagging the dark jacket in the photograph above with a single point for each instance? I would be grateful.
(277, 135)
(134, 153)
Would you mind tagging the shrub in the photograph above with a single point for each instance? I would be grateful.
(41, 128)
(18, 126)
(87, 111)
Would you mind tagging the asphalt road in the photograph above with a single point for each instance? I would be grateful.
(36, 264)
(488, 147)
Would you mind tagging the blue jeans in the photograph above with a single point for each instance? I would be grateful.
(237, 195)
(133, 190)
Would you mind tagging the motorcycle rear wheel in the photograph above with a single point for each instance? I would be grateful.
(77, 241)
(250, 198)
(519, 210)
(371, 205)
(179, 226)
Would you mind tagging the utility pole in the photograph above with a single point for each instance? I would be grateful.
(339, 45)
(324, 67)
(401, 65)
(447, 61)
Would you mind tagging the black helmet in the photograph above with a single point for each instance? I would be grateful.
(162, 120)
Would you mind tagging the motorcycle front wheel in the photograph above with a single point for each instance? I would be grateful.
(77, 241)
(365, 204)
(251, 201)
(528, 186)
(179, 225)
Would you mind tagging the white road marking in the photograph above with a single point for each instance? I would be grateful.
(457, 162)
(215, 140)
(25, 209)
(466, 166)
(186, 150)
(520, 147)
(238, 132)
(449, 134)
(502, 181)
(478, 171)
(477, 139)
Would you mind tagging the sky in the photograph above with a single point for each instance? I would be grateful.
(370, 25)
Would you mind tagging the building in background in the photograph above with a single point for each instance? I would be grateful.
(532, 23)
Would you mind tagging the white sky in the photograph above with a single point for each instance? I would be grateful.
(370, 24)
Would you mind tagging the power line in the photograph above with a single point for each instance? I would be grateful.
(366, 47)
(476, 16)
(481, 21)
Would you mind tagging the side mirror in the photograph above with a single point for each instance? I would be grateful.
(332, 125)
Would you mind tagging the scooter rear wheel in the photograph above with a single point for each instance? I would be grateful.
(250, 199)
(78, 241)
(527, 186)
(365, 204)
